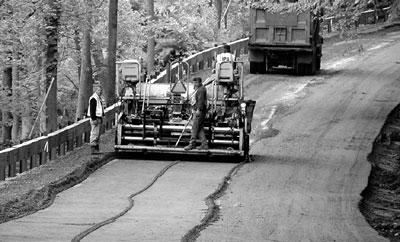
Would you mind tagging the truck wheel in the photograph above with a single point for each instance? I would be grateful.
(318, 64)
(269, 66)
(262, 68)
(253, 67)
(300, 69)
(311, 68)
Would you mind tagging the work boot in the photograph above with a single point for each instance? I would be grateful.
(203, 146)
(191, 146)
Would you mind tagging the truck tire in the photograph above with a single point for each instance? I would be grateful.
(253, 67)
(318, 64)
(262, 68)
(300, 69)
(257, 67)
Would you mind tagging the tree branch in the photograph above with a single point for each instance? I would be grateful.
(70, 80)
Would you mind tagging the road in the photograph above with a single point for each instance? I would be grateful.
(310, 144)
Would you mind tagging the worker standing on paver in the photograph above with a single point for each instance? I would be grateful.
(199, 111)
(96, 114)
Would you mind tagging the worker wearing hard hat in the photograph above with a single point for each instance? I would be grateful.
(199, 111)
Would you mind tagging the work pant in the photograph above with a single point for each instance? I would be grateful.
(198, 128)
(95, 131)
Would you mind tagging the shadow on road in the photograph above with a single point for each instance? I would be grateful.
(180, 157)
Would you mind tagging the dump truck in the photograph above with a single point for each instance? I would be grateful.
(283, 38)
(156, 117)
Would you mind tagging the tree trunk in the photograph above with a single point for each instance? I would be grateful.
(15, 79)
(15, 137)
(218, 7)
(26, 127)
(86, 82)
(52, 24)
(151, 41)
(100, 64)
(6, 115)
(77, 43)
(226, 19)
(395, 11)
(112, 51)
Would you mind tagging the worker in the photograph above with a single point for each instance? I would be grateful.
(225, 56)
(96, 114)
(199, 111)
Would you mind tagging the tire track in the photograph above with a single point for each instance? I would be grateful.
(110, 220)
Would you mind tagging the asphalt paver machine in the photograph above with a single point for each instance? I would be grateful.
(156, 117)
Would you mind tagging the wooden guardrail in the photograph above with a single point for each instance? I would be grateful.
(366, 17)
(36, 152)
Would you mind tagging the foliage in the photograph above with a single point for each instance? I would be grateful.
(284, 6)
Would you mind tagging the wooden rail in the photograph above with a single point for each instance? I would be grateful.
(367, 17)
(36, 152)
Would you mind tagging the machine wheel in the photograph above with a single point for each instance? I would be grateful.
(246, 147)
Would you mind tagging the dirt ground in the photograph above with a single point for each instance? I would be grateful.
(35, 190)
(381, 199)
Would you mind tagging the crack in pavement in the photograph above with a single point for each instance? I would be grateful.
(110, 220)
(213, 211)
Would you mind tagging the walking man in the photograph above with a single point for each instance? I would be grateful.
(96, 114)
(199, 111)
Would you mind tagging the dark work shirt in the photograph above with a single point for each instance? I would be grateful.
(201, 99)
(93, 105)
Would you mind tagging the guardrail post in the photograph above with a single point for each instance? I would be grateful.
(79, 140)
(35, 160)
(87, 137)
(201, 65)
(53, 153)
(2, 172)
(43, 157)
(13, 166)
(61, 149)
(23, 165)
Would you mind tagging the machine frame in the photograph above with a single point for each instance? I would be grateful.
(155, 117)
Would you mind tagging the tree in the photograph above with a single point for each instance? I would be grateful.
(112, 51)
(6, 114)
(395, 11)
(218, 7)
(151, 40)
(51, 62)
(86, 81)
